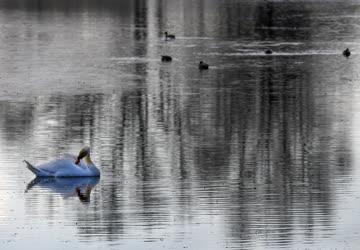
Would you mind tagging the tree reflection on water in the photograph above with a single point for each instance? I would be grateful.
(254, 146)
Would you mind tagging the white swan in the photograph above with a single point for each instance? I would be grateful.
(69, 166)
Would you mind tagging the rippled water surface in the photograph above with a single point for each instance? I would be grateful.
(259, 152)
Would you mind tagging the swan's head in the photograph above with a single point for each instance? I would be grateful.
(83, 152)
(166, 33)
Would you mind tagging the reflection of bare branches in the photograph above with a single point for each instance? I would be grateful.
(240, 138)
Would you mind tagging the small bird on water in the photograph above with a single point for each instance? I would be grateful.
(166, 58)
(346, 52)
(203, 65)
(169, 36)
(268, 51)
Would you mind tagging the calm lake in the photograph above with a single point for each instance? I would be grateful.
(258, 152)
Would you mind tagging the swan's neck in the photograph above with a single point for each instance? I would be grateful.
(88, 160)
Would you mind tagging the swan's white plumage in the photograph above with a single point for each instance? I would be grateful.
(66, 167)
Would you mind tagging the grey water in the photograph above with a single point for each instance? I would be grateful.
(258, 152)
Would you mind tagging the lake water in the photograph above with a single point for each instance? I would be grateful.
(259, 152)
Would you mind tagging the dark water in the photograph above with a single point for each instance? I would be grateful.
(261, 151)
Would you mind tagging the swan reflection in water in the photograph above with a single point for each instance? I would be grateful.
(66, 187)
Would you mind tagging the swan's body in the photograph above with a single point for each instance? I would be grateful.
(68, 166)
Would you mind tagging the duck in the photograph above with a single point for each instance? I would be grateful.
(169, 36)
(203, 65)
(268, 52)
(67, 166)
(346, 52)
(166, 58)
